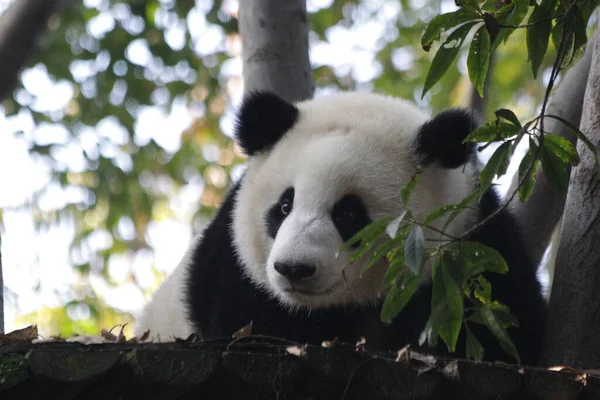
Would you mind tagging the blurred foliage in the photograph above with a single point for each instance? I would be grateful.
(85, 317)
(122, 58)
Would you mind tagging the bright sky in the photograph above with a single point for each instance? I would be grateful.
(37, 269)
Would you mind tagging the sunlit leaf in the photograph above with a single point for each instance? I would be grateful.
(446, 55)
(443, 22)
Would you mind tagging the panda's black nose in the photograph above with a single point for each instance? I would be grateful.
(295, 272)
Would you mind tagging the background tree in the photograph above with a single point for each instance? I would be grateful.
(572, 337)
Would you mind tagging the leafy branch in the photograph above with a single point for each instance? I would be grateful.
(461, 294)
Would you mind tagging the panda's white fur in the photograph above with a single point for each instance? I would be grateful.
(344, 146)
(165, 316)
(324, 150)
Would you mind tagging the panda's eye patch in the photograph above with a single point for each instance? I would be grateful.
(349, 216)
(279, 211)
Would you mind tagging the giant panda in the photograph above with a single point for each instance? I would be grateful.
(317, 173)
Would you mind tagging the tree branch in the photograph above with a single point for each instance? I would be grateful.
(540, 214)
(20, 26)
(275, 47)
(574, 314)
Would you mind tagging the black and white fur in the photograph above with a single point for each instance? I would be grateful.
(317, 173)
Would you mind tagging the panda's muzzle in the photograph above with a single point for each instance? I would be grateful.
(295, 272)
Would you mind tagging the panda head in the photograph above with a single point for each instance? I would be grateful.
(319, 171)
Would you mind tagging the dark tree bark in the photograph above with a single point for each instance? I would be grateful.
(573, 331)
(541, 213)
(275, 47)
(20, 26)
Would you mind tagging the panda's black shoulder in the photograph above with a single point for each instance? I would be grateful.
(519, 288)
(212, 263)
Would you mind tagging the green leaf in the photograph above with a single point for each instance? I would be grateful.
(508, 115)
(491, 321)
(557, 36)
(514, 18)
(478, 59)
(394, 270)
(398, 297)
(492, 131)
(571, 29)
(555, 170)
(496, 166)
(446, 304)
(477, 258)
(379, 252)
(368, 234)
(413, 249)
(408, 189)
(482, 289)
(469, 4)
(502, 313)
(464, 203)
(443, 22)
(579, 135)
(446, 55)
(474, 348)
(527, 175)
(561, 148)
(441, 211)
(538, 33)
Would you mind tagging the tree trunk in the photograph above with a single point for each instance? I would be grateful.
(573, 330)
(20, 26)
(541, 213)
(275, 47)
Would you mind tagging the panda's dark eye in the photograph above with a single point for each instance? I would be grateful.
(346, 216)
(349, 216)
(286, 207)
(279, 211)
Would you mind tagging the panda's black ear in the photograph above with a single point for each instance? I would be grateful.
(262, 119)
(441, 138)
